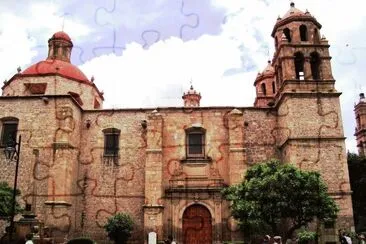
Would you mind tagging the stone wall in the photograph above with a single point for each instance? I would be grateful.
(56, 85)
(107, 186)
(312, 139)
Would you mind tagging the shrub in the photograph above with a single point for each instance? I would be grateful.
(119, 227)
(306, 236)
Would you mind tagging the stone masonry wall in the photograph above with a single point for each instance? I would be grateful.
(38, 167)
(62, 158)
(312, 139)
(105, 186)
(56, 85)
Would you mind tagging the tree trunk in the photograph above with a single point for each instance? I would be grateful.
(290, 232)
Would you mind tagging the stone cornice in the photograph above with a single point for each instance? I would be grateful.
(311, 138)
(292, 19)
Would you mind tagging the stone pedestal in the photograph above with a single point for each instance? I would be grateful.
(25, 226)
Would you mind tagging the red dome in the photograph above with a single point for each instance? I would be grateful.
(61, 35)
(54, 66)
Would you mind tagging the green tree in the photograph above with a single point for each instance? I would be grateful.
(357, 175)
(119, 227)
(279, 198)
(6, 198)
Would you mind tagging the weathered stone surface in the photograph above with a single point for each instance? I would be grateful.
(74, 187)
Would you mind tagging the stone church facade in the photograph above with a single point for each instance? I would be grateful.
(166, 167)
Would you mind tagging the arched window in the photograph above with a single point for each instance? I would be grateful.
(64, 52)
(287, 33)
(315, 65)
(280, 73)
(111, 142)
(9, 128)
(277, 76)
(358, 122)
(273, 87)
(263, 89)
(55, 51)
(303, 33)
(316, 38)
(276, 42)
(195, 142)
(299, 65)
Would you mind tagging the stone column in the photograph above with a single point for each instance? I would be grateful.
(307, 69)
(153, 208)
(325, 65)
(218, 218)
(288, 68)
(175, 217)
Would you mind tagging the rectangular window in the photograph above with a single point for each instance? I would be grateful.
(77, 98)
(36, 88)
(111, 144)
(195, 145)
(9, 132)
(96, 104)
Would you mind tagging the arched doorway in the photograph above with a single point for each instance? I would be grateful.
(197, 225)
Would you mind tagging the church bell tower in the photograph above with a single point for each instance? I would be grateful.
(360, 130)
(309, 130)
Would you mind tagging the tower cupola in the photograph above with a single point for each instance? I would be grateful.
(297, 26)
(191, 98)
(265, 86)
(60, 46)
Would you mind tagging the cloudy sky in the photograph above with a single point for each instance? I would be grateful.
(145, 53)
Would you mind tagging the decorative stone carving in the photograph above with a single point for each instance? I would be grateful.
(66, 124)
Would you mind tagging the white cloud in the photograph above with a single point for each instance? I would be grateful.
(15, 46)
(21, 33)
(172, 63)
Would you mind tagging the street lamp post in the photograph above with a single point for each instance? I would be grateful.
(12, 151)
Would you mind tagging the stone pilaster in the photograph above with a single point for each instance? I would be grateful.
(218, 217)
(307, 69)
(236, 149)
(153, 208)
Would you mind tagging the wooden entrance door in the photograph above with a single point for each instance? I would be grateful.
(197, 225)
